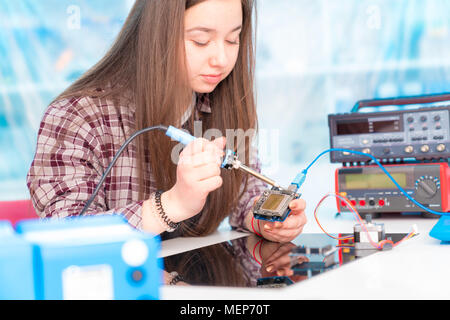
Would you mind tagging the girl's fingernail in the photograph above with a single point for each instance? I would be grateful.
(269, 269)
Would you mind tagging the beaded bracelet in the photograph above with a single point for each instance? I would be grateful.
(175, 278)
(170, 226)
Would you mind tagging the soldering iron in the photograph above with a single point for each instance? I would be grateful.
(230, 160)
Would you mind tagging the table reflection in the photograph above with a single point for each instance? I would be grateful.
(255, 262)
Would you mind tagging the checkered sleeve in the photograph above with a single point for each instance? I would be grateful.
(255, 188)
(68, 164)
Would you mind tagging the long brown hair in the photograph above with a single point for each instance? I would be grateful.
(144, 63)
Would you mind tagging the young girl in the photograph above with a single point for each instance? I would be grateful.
(173, 63)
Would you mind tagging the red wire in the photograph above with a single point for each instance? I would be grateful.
(254, 249)
(359, 219)
(259, 242)
(320, 226)
(254, 231)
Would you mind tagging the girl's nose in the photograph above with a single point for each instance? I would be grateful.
(219, 57)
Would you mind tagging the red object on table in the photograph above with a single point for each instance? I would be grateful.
(15, 211)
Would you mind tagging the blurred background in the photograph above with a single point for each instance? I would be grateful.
(314, 57)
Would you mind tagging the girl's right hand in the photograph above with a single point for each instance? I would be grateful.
(198, 174)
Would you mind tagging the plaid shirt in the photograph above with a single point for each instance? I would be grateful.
(77, 140)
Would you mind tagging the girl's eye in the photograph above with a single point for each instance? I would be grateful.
(233, 42)
(200, 44)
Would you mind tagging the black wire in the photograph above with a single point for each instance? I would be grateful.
(113, 162)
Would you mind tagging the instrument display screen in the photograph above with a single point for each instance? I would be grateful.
(353, 127)
(374, 181)
(367, 126)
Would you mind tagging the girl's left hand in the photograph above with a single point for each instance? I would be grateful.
(289, 229)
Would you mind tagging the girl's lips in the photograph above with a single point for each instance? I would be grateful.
(212, 78)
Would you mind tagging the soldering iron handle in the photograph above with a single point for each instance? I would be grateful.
(180, 135)
(186, 138)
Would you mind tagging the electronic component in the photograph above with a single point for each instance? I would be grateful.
(368, 236)
(371, 191)
(273, 205)
(422, 133)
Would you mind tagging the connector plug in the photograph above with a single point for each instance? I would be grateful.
(298, 181)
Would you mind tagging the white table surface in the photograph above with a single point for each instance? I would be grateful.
(416, 269)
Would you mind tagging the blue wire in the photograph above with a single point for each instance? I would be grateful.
(304, 172)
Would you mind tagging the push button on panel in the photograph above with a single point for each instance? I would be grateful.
(425, 148)
(409, 149)
(441, 148)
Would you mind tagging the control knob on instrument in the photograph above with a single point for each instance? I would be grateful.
(427, 186)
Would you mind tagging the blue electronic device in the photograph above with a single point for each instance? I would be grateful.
(94, 257)
(441, 230)
(16, 265)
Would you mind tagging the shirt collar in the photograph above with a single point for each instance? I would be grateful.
(203, 103)
(200, 103)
